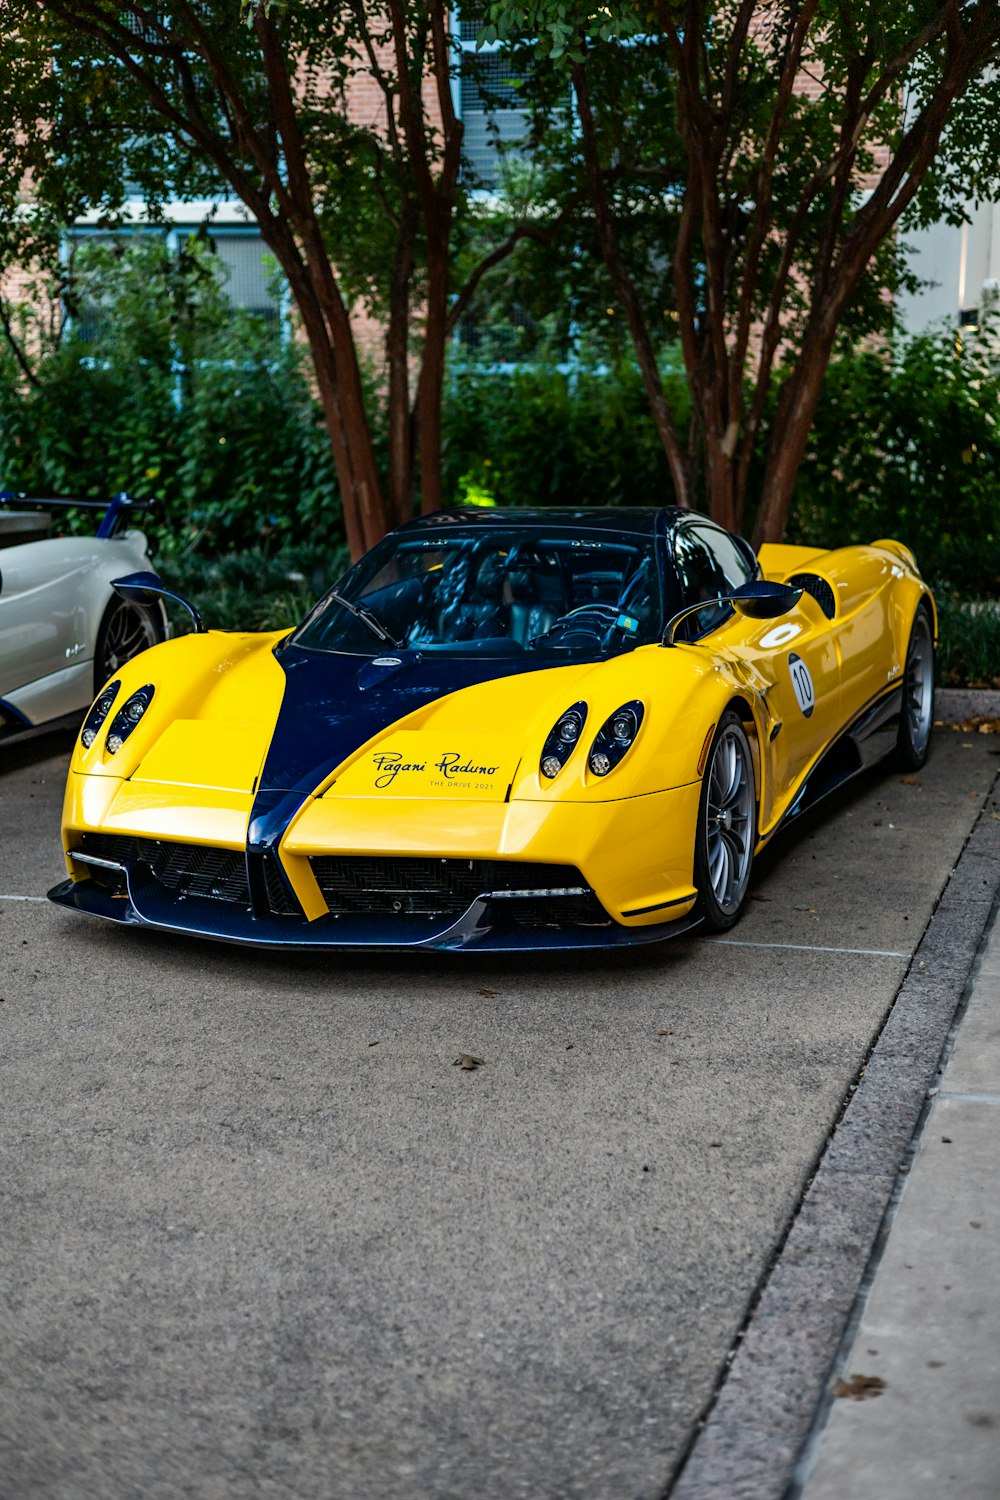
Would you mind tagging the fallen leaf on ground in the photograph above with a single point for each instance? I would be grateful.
(373, 1044)
(910, 781)
(570, 1046)
(468, 1062)
(665, 1032)
(805, 908)
(490, 994)
(946, 1140)
(859, 1387)
(758, 896)
(715, 1143)
(978, 724)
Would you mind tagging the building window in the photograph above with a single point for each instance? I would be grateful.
(490, 103)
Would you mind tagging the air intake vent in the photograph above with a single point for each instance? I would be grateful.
(811, 583)
(392, 887)
(187, 869)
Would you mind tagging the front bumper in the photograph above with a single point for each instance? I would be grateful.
(482, 928)
(632, 857)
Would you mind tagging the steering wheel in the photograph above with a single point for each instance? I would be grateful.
(580, 626)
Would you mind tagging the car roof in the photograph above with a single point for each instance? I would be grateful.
(632, 520)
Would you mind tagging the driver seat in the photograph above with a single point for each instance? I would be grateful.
(535, 598)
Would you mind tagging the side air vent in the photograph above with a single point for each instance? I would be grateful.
(820, 590)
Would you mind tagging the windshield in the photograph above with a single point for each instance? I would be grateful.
(555, 593)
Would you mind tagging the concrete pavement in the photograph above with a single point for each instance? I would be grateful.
(261, 1237)
(928, 1326)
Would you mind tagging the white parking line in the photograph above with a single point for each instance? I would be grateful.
(721, 942)
(808, 948)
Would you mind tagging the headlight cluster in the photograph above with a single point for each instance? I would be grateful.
(128, 717)
(562, 740)
(102, 707)
(614, 739)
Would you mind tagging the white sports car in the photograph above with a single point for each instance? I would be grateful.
(63, 629)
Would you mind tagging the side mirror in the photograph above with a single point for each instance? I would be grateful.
(759, 600)
(145, 588)
(762, 600)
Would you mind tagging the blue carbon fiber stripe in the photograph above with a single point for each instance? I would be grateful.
(326, 714)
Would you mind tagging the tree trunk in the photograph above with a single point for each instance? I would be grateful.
(721, 479)
(625, 291)
(430, 391)
(398, 359)
(338, 381)
(793, 420)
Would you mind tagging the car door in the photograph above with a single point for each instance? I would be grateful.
(42, 619)
(792, 662)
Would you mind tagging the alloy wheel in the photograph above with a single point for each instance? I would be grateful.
(729, 819)
(919, 685)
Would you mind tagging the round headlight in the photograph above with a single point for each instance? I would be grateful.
(615, 738)
(128, 717)
(102, 707)
(561, 740)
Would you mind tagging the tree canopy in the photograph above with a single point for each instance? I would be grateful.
(797, 141)
(336, 127)
(732, 180)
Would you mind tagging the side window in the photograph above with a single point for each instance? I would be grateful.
(708, 563)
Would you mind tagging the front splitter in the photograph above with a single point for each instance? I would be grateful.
(477, 930)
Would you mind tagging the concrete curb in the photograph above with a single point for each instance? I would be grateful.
(763, 1411)
(954, 705)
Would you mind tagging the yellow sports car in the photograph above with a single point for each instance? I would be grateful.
(500, 730)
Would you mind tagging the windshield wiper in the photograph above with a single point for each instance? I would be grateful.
(367, 618)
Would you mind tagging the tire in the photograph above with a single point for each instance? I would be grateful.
(727, 826)
(916, 718)
(125, 631)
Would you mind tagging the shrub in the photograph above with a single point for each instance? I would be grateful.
(909, 446)
(160, 388)
(968, 642)
(535, 437)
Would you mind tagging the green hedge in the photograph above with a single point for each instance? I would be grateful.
(165, 391)
(540, 437)
(909, 447)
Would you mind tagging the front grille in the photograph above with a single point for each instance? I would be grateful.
(187, 869)
(389, 886)
(811, 583)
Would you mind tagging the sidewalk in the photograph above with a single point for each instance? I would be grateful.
(930, 1325)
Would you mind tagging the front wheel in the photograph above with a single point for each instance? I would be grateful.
(916, 717)
(727, 826)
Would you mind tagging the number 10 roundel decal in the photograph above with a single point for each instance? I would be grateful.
(802, 684)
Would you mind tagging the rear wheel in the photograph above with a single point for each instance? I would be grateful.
(125, 631)
(916, 718)
(727, 826)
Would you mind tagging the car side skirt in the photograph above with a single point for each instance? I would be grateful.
(869, 738)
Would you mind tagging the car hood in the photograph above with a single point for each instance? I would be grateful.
(292, 723)
(405, 708)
